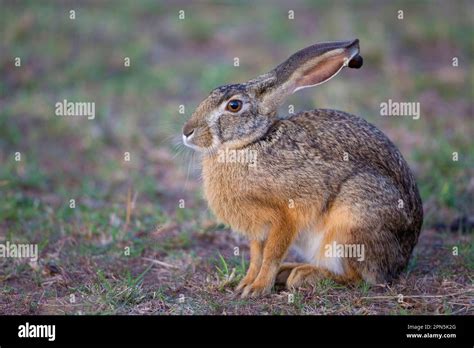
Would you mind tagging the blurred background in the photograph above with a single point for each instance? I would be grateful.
(173, 62)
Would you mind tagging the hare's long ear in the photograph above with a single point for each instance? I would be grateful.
(306, 68)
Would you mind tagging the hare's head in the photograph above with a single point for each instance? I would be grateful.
(239, 114)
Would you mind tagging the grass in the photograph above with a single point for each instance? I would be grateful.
(135, 206)
(231, 271)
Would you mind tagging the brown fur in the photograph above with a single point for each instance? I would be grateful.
(301, 186)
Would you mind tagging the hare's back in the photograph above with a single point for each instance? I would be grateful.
(334, 133)
(350, 141)
(332, 127)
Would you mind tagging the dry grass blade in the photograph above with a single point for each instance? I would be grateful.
(161, 263)
(416, 296)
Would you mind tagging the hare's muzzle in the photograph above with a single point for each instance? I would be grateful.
(188, 130)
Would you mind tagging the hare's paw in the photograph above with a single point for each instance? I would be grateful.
(247, 280)
(303, 275)
(256, 289)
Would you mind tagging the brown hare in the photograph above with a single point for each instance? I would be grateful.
(324, 181)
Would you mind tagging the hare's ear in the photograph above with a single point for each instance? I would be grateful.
(307, 68)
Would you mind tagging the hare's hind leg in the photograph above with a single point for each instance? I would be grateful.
(367, 224)
(309, 275)
(284, 272)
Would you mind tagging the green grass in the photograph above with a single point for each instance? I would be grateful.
(444, 179)
(230, 271)
(120, 294)
(364, 288)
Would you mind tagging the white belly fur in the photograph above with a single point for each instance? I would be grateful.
(309, 246)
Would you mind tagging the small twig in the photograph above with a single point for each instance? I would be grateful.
(464, 309)
(129, 207)
(134, 199)
(417, 296)
(459, 304)
(161, 263)
(61, 304)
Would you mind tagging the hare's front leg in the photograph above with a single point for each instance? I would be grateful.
(275, 248)
(256, 258)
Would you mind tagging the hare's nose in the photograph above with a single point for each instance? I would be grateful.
(188, 130)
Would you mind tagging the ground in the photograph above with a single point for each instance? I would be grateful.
(141, 239)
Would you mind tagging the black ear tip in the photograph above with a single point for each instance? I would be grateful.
(356, 62)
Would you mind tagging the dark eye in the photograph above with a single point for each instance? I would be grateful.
(234, 105)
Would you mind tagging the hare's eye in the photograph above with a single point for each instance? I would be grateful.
(234, 105)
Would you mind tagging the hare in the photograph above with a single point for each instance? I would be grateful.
(324, 181)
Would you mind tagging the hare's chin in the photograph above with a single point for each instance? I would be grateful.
(188, 143)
